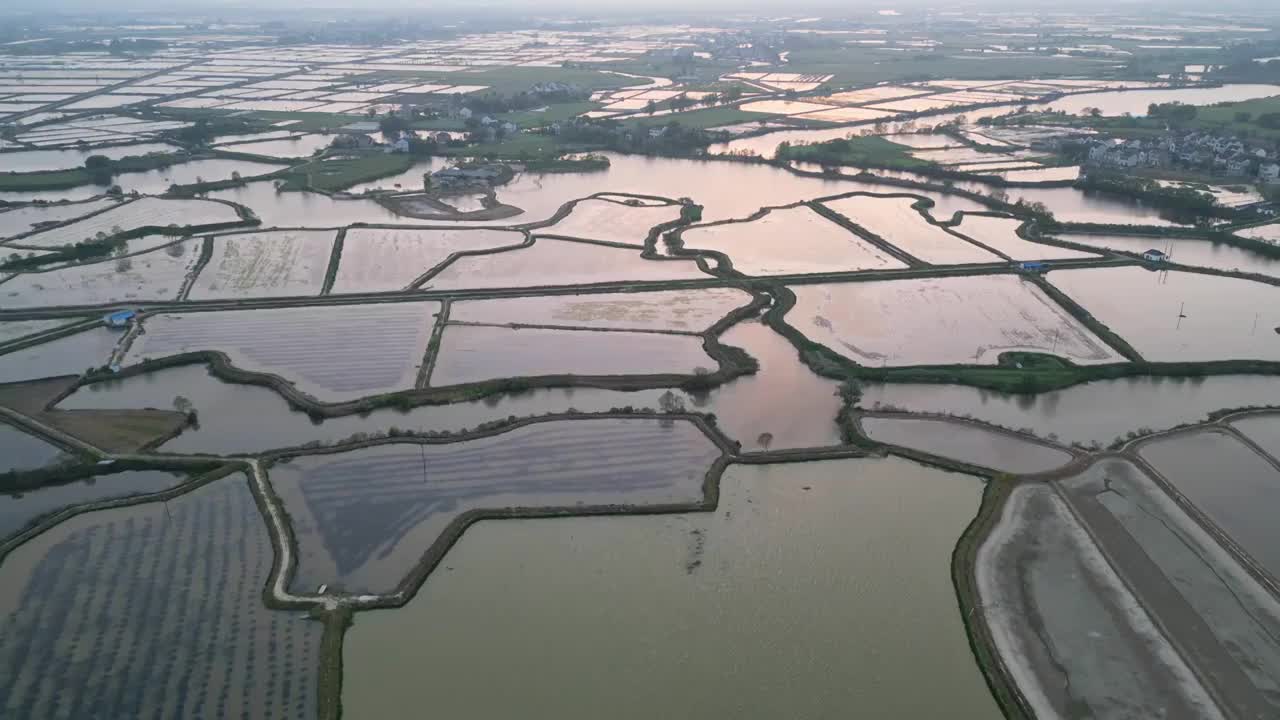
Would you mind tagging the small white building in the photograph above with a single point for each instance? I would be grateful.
(1269, 172)
(1155, 256)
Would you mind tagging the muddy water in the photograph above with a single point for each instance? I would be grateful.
(1093, 412)
(812, 586)
(966, 443)
(1230, 483)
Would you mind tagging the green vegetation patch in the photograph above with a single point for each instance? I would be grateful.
(556, 112)
(867, 151)
(341, 173)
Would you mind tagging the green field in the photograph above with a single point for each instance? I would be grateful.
(1222, 117)
(870, 150)
(558, 112)
(338, 174)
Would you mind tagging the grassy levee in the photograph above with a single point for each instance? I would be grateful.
(963, 564)
(329, 677)
(1014, 374)
(335, 258)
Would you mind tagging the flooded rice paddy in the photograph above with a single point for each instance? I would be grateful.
(333, 354)
(1095, 412)
(1001, 234)
(1070, 632)
(1263, 430)
(1135, 102)
(70, 355)
(22, 451)
(363, 519)
(382, 260)
(557, 262)
(789, 240)
(156, 275)
(966, 443)
(19, 511)
(92, 609)
(612, 221)
(1233, 485)
(670, 310)
(473, 353)
(144, 212)
(1186, 251)
(1174, 315)
(270, 264)
(936, 321)
(23, 220)
(1226, 622)
(897, 222)
(662, 602)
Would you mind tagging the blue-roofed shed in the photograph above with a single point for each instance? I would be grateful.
(119, 318)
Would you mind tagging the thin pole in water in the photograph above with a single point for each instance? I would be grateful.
(423, 451)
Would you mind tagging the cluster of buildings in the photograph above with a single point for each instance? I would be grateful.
(1197, 150)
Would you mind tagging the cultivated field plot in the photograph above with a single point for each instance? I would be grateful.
(612, 221)
(1001, 234)
(1179, 316)
(935, 321)
(155, 275)
(895, 221)
(93, 610)
(1261, 232)
(378, 260)
(1067, 627)
(1263, 429)
(1231, 484)
(299, 146)
(1093, 413)
(196, 171)
(331, 353)
(1185, 579)
(146, 212)
(966, 443)
(71, 355)
(20, 511)
(675, 310)
(364, 518)
(46, 160)
(474, 353)
(20, 451)
(790, 240)
(557, 262)
(845, 115)
(280, 263)
(1200, 252)
(25, 219)
(16, 329)
(782, 107)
